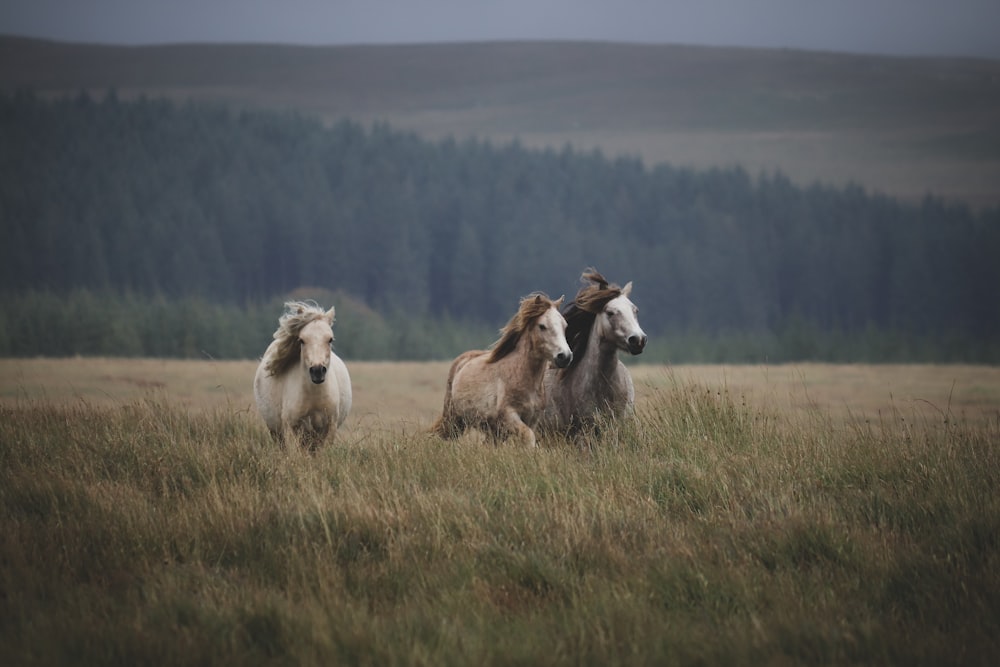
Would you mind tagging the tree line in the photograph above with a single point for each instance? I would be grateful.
(143, 201)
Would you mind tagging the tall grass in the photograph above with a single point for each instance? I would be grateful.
(706, 531)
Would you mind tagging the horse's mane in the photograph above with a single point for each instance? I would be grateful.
(296, 316)
(582, 311)
(532, 307)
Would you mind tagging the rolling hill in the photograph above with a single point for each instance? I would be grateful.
(903, 126)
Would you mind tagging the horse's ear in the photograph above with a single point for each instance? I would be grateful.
(328, 316)
(558, 302)
(627, 289)
(538, 298)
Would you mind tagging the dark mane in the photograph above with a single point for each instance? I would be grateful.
(582, 311)
(532, 307)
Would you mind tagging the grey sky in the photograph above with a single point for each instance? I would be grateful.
(905, 27)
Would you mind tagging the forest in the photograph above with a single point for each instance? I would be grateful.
(150, 227)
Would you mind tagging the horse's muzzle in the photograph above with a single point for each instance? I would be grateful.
(563, 359)
(317, 374)
(636, 344)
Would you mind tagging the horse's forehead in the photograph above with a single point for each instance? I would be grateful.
(318, 328)
(622, 303)
(552, 316)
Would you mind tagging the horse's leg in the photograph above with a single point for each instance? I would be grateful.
(448, 427)
(288, 436)
(309, 439)
(494, 431)
(584, 432)
(512, 423)
(586, 439)
(304, 438)
(312, 431)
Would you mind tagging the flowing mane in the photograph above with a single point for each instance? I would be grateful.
(501, 391)
(532, 307)
(297, 315)
(302, 389)
(595, 388)
(583, 310)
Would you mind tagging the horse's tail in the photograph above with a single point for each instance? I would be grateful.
(446, 426)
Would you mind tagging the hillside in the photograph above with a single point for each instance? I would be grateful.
(904, 126)
(153, 198)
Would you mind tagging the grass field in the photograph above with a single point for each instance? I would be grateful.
(412, 392)
(809, 514)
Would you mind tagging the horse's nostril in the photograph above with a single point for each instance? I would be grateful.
(636, 344)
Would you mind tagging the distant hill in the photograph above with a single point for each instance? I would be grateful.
(904, 126)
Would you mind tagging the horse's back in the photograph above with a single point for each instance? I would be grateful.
(345, 392)
(461, 363)
(473, 384)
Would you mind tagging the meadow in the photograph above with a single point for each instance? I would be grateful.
(783, 515)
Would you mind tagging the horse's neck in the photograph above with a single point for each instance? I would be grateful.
(600, 356)
(594, 381)
(529, 364)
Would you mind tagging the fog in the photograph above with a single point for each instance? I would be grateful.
(899, 27)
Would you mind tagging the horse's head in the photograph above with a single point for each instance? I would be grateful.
(315, 346)
(543, 328)
(618, 323)
(548, 333)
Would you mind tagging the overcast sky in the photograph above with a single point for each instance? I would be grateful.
(905, 27)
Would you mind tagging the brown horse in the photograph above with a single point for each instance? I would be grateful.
(596, 386)
(500, 391)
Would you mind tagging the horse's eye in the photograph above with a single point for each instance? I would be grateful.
(543, 327)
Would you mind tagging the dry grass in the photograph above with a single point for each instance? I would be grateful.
(166, 528)
(412, 393)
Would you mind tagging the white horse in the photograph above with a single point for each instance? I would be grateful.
(596, 386)
(500, 391)
(303, 389)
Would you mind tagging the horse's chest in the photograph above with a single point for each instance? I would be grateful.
(528, 402)
(316, 420)
(318, 400)
(596, 391)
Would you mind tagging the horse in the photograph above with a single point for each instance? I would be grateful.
(596, 386)
(500, 391)
(303, 389)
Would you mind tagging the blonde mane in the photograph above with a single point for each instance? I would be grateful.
(532, 307)
(297, 315)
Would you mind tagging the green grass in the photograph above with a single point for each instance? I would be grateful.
(707, 531)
